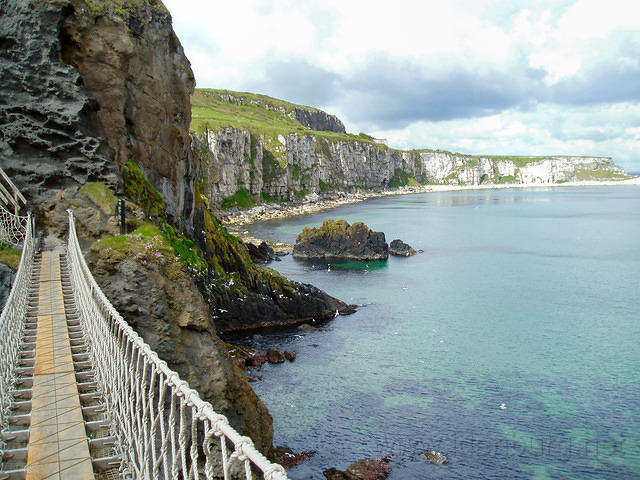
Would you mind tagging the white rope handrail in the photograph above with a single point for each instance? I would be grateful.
(164, 429)
(12, 324)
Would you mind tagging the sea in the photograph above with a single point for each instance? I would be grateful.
(511, 344)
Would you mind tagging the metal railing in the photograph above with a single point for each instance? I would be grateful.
(12, 324)
(164, 429)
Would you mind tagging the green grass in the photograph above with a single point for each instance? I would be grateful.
(140, 190)
(269, 199)
(325, 187)
(505, 179)
(152, 243)
(400, 178)
(242, 198)
(121, 6)
(186, 250)
(210, 111)
(10, 255)
(301, 194)
(585, 175)
(101, 195)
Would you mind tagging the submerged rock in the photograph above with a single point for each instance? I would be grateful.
(338, 239)
(399, 248)
(367, 469)
(434, 457)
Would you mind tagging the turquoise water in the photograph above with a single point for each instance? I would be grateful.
(527, 298)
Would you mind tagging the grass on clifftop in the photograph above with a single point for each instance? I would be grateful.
(259, 114)
(586, 175)
(153, 243)
(122, 6)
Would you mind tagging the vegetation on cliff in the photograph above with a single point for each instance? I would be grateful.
(10, 255)
(288, 161)
(213, 109)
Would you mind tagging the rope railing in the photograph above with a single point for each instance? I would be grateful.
(12, 324)
(164, 429)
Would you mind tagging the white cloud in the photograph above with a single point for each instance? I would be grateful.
(509, 60)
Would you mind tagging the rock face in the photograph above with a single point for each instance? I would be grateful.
(296, 165)
(245, 297)
(50, 134)
(337, 239)
(84, 88)
(399, 248)
(319, 120)
(162, 303)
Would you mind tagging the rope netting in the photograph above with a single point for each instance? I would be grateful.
(164, 429)
(12, 323)
(12, 227)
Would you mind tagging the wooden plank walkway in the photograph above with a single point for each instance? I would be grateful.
(58, 447)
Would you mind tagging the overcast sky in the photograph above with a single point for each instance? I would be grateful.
(477, 76)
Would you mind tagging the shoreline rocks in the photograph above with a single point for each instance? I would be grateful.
(337, 239)
(248, 358)
(314, 203)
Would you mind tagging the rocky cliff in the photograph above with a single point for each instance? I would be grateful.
(294, 165)
(319, 120)
(273, 150)
(87, 86)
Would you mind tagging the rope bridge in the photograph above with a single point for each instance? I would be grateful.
(162, 428)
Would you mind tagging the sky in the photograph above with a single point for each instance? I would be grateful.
(482, 77)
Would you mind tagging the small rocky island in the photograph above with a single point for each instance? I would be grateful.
(401, 249)
(337, 239)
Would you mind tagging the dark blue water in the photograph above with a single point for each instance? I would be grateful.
(527, 298)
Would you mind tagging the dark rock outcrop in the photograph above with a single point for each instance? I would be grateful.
(245, 297)
(337, 239)
(262, 253)
(288, 458)
(399, 248)
(368, 469)
(319, 120)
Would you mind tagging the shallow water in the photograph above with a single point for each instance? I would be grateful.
(527, 298)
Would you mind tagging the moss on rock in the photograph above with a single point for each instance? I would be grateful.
(140, 190)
